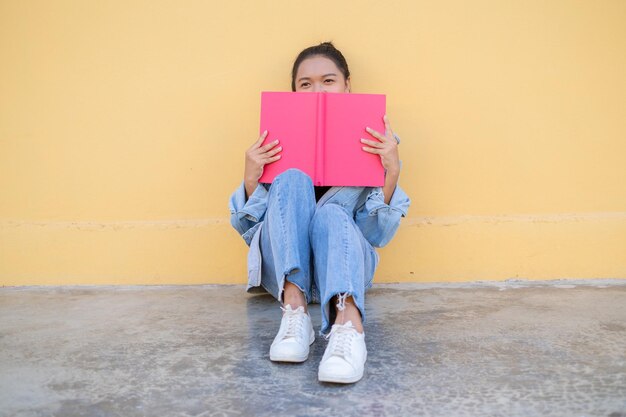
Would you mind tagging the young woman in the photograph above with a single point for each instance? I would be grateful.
(316, 244)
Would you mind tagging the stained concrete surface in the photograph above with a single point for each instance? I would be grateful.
(488, 349)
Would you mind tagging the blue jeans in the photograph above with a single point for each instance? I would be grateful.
(319, 249)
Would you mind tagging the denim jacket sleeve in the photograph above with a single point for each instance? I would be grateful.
(379, 221)
(246, 216)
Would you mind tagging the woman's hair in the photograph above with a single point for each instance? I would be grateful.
(325, 49)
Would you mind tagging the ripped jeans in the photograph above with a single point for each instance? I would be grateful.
(318, 248)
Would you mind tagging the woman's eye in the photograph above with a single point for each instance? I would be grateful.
(304, 85)
(330, 80)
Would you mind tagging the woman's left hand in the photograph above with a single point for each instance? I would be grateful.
(386, 146)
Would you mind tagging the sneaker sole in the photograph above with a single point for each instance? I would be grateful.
(292, 358)
(340, 379)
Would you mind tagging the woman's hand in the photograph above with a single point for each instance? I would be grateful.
(257, 157)
(387, 147)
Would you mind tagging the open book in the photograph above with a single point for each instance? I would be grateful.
(321, 135)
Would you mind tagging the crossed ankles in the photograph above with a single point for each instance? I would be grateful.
(345, 355)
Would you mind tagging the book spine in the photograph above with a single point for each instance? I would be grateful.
(320, 139)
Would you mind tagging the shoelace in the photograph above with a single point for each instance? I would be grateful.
(340, 344)
(294, 322)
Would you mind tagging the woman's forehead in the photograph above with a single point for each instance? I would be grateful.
(317, 66)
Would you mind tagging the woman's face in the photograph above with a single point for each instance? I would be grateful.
(320, 74)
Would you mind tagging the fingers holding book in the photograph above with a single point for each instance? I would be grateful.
(386, 146)
(257, 157)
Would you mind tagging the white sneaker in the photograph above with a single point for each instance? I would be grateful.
(291, 344)
(344, 359)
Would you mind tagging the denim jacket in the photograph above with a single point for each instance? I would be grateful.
(377, 221)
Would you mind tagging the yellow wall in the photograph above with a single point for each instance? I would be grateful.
(123, 126)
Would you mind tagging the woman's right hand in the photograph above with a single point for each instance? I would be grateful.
(257, 157)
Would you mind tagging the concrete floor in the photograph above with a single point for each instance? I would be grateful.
(516, 348)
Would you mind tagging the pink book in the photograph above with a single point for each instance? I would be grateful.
(321, 135)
